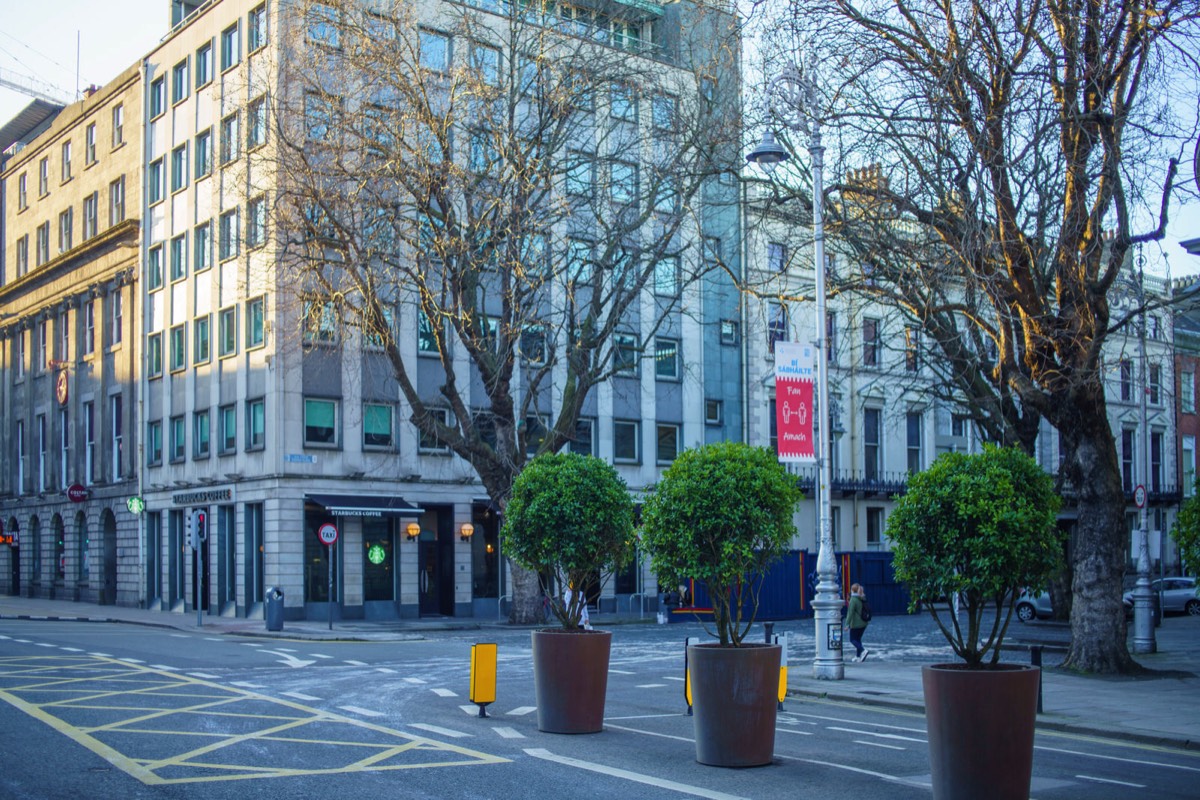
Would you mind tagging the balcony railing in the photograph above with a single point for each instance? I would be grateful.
(848, 482)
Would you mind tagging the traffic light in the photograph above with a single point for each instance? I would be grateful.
(191, 530)
(201, 525)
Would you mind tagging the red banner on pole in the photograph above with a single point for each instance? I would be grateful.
(794, 401)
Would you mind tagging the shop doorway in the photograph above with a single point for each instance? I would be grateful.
(379, 569)
(435, 563)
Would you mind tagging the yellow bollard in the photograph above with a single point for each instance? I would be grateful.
(782, 640)
(483, 676)
(687, 672)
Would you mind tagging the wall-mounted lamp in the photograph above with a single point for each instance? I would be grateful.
(413, 530)
(466, 531)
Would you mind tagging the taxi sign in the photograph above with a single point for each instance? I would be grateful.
(327, 533)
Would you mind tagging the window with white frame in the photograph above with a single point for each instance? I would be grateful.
(66, 161)
(44, 177)
(912, 349)
(154, 355)
(872, 443)
(777, 325)
(42, 343)
(19, 355)
(117, 436)
(231, 47)
(19, 434)
(116, 318)
(666, 276)
(666, 358)
(625, 354)
(1155, 394)
(22, 255)
(22, 191)
(89, 144)
(874, 528)
(1187, 392)
(627, 441)
(913, 423)
(1188, 465)
(89, 442)
(43, 243)
(41, 445)
(777, 258)
(434, 51)
(118, 125)
(116, 201)
(64, 447)
(63, 327)
(91, 204)
(1127, 459)
(584, 440)
(89, 327)
(66, 222)
(714, 411)
(870, 334)
(1156, 461)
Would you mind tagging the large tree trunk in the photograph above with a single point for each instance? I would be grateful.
(526, 606)
(1097, 613)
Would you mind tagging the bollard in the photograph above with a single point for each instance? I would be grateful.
(1035, 659)
(483, 676)
(687, 673)
(767, 628)
(783, 670)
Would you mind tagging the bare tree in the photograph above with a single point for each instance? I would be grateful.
(1019, 146)
(520, 185)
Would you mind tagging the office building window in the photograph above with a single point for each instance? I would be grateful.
(116, 318)
(377, 425)
(154, 355)
(668, 443)
(40, 428)
(179, 257)
(777, 258)
(202, 246)
(22, 255)
(427, 442)
(43, 243)
(64, 336)
(625, 354)
(231, 47)
(66, 221)
(154, 268)
(777, 325)
(179, 82)
(256, 222)
(154, 443)
(874, 528)
(320, 422)
(1155, 393)
(666, 359)
(256, 424)
(178, 439)
(1188, 465)
(204, 64)
(44, 177)
(179, 168)
(203, 153)
(227, 322)
(255, 322)
(89, 442)
(627, 441)
(714, 412)
(158, 98)
(229, 139)
(178, 335)
(89, 328)
(201, 434)
(228, 416)
(256, 123)
(228, 244)
(912, 349)
(1156, 461)
(200, 339)
(434, 51)
(22, 192)
(256, 28)
(89, 145)
(64, 448)
(584, 440)
(1127, 459)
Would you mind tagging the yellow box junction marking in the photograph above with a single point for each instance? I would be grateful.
(164, 728)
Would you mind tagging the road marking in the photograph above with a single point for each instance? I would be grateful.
(160, 743)
(636, 777)
(873, 744)
(878, 735)
(651, 733)
(164, 667)
(386, 670)
(319, 655)
(414, 681)
(308, 698)
(439, 731)
(646, 716)
(673, 678)
(444, 692)
(509, 733)
(25, 641)
(1117, 758)
(287, 659)
(251, 644)
(857, 770)
(1107, 780)
(620, 672)
(521, 711)
(44, 644)
(355, 663)
(213, 639)
(650, 686)
(794, 733)
(366, 712)
(130, 661)
(5, 637)
(203, 675)
(247, 685)
(180, 636)
(73, 649)
(472, 710)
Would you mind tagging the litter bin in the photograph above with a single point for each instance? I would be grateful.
(274, 609)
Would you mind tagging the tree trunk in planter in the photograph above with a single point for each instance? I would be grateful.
(570, 679)
(735, 694)
(980, 724)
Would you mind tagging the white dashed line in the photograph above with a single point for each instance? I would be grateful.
(366, 712)
(1109, 780)
(319, 655)
(246, 684)
(521, 711)
(203, 675)
(874, 744)
(250, 644)
(386, 670)
(213, 639)
(509, 733)
(444, 692)
(439, 731)
(798, 733)
(97, 655)
(131, 660)
(44, 644)
(620, 672)
(164, 667)
(355, 663)
(25, 641)
(651, 686)
(649, 780)
(414, 681)
(73, 649)
(673, 678)
(308, 698)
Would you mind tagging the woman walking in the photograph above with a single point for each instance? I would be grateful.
(857, 616)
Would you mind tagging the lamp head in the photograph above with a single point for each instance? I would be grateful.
(768, 154)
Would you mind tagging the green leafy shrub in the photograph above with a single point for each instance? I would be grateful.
(570, 519)
(980, 525)
(721, 514)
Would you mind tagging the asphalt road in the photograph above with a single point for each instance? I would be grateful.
(99, 710)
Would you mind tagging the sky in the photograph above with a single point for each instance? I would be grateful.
(42, 40)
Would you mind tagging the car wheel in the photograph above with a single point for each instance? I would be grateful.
(1026, 612)
(1193, 607)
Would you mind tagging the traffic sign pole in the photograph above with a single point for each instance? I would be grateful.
(328, 534)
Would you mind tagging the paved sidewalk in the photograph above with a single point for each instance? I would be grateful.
(1162, 707)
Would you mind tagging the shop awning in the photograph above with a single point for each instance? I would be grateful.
(364, 505)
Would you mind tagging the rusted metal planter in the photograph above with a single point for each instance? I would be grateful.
(981, 725)
(570, 678)
(734, 699)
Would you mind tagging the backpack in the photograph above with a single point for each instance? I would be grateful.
(865, 611)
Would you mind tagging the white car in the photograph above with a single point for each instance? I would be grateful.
(1178, 594)
(1034, 606)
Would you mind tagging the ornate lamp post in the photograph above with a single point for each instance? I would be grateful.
(1143, 597)
(792, 99)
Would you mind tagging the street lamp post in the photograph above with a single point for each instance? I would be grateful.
(792, 97)
(1143, 597)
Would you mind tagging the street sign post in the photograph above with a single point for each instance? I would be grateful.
(328, 534)
(1139, 496)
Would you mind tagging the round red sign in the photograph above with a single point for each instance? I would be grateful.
(77, 493)
(327, 533)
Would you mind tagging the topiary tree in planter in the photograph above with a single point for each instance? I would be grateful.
(982, 525)
(570, 518)
(721, 514)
